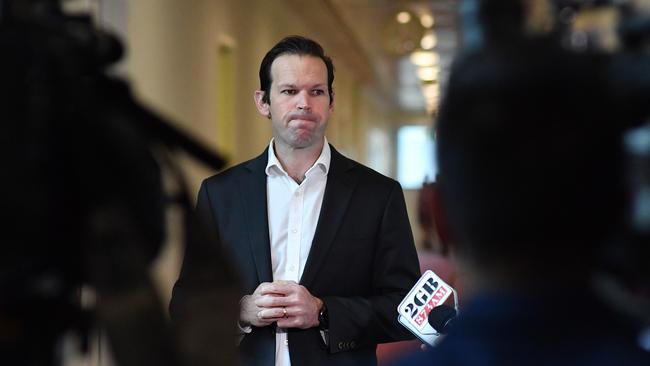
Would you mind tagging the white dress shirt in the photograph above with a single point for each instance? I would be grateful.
(293, 211)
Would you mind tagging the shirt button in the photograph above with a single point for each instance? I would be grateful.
(292, 268)
(286, 342)
(294, 231)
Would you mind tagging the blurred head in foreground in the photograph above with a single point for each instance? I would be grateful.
(529, 149)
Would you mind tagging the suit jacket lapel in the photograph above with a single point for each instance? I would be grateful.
(253, 189)
(340, 185)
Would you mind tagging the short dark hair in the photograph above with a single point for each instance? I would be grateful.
(531, 170)
(293, 45)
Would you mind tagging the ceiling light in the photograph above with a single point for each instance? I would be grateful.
(429, 73)
(424, 58)
(429, 40)
(403, 17)
(426, 20)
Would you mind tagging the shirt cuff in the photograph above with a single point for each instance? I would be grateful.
(242, 330)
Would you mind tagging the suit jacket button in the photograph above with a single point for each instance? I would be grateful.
(353, 344)
(341, 345)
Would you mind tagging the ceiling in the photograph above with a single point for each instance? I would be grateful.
(386, 43)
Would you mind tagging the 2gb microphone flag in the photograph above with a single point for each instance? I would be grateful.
(430, 291)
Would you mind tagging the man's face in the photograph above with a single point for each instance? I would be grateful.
(300, 104)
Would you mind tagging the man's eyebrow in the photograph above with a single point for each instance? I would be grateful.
(289, 85)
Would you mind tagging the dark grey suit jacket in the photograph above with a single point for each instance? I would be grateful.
(361, 264)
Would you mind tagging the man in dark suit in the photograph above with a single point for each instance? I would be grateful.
(323, 244)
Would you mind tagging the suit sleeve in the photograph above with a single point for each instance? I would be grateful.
(368, 320)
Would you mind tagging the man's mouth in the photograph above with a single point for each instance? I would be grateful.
(303, 117)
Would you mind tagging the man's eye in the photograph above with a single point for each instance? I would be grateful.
(318, 92)
(289, 91)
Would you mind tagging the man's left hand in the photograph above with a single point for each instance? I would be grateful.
(295, 306)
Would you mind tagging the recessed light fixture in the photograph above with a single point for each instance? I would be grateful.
(428, 73)
(424, 58)
(403, 17)
(427, 20)
(429, 40)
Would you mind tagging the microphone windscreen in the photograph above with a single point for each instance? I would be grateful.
(440, 317)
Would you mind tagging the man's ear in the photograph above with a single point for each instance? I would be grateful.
(332, 101)
(261, 105)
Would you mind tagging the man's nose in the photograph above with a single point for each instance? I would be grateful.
(303, 101)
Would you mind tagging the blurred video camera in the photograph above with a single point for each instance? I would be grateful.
(84, 204)
(622, 30)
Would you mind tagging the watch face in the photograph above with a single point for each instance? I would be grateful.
(322, 317)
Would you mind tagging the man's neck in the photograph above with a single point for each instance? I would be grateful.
(296, 162)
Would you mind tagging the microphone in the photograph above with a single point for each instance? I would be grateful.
(423, 311)
(442, 318)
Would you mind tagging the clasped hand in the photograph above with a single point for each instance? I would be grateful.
(289, 304)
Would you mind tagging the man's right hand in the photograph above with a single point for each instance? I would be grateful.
(249, 313)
